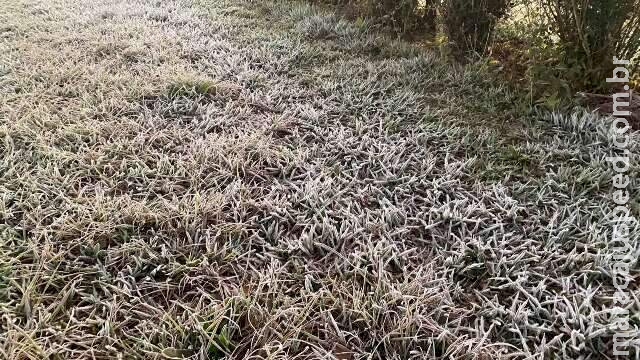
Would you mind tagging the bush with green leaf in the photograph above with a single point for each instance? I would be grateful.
(592, 32)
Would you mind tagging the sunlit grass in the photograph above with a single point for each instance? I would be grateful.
(266, 180)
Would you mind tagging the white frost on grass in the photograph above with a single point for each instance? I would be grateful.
(201, 179)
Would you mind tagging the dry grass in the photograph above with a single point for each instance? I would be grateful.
(261, 180)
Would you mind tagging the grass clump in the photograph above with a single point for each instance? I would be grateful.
(354, 204)
(190, 87)
(323, 27)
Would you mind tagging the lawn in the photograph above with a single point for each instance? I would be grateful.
(213, 179)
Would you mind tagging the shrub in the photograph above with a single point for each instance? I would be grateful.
(591, 32)
(470, 23)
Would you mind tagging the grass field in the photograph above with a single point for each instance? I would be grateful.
(207, 179)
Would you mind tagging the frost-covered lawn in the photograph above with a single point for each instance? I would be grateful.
(216, 178)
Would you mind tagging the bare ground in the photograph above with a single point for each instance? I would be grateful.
(209, 179)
